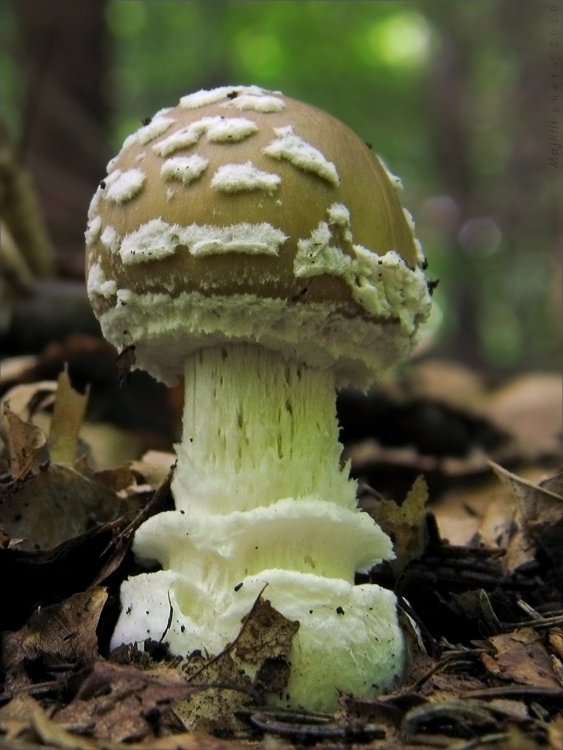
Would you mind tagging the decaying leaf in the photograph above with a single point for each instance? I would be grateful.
(121, 703)
(53, 503)
(529, 408)
(265, 640)
(56, 641)
(120, 480)
(56, 505)
(555, 733)
(52, 734)
(553, 483)
(405, 524)
(15, 716)
(541, 512)
(556, 640)
(266, 634)
(68, 415)
(225, 689)
(446, 382)
(521, 657)
(25, 443)
(484, 510)
(26, 724)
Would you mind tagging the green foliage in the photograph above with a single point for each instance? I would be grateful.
(445, 92)
(361, 61)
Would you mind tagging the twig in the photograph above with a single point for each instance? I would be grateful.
(274, 722)
(545, 622)
(514, 691)
(452, 656)
(170, 616)
(141, 515)
(487, 739)
(530, 611)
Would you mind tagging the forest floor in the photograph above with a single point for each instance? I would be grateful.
(465, 477)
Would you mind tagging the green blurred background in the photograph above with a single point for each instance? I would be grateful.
(452, 94)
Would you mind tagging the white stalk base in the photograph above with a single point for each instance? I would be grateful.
(261, 499)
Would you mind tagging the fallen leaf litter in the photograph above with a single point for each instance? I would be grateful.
(490, 672)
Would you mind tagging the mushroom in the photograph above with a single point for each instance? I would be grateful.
(255, 246)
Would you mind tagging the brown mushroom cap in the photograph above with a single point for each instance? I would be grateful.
(242, 203)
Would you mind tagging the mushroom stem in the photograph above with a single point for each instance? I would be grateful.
(257, 428)
(261, 499)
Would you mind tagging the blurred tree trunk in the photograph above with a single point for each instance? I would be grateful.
(527, 199)
(503, 183)
(63, 51)
(451, 143)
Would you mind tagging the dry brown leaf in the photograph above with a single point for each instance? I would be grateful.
(117, 480)
(541, 511)
(39, 577)
(109, 446)
(53, 734)
(55, 639)
(68, 415)
(26, 726)
(516, 739)
(267, 634)
(521, 657)
(265, 639)
(460, 511)
(511, 708)
(486, 512)
(405, 524)
(530, 408)
(14, 716)
(520, 550)
(553, 483)
(447, 382)
(555, 637)
(555, 733)
(25, 443)
(56, 505)
(225, 689)
(121, 703)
